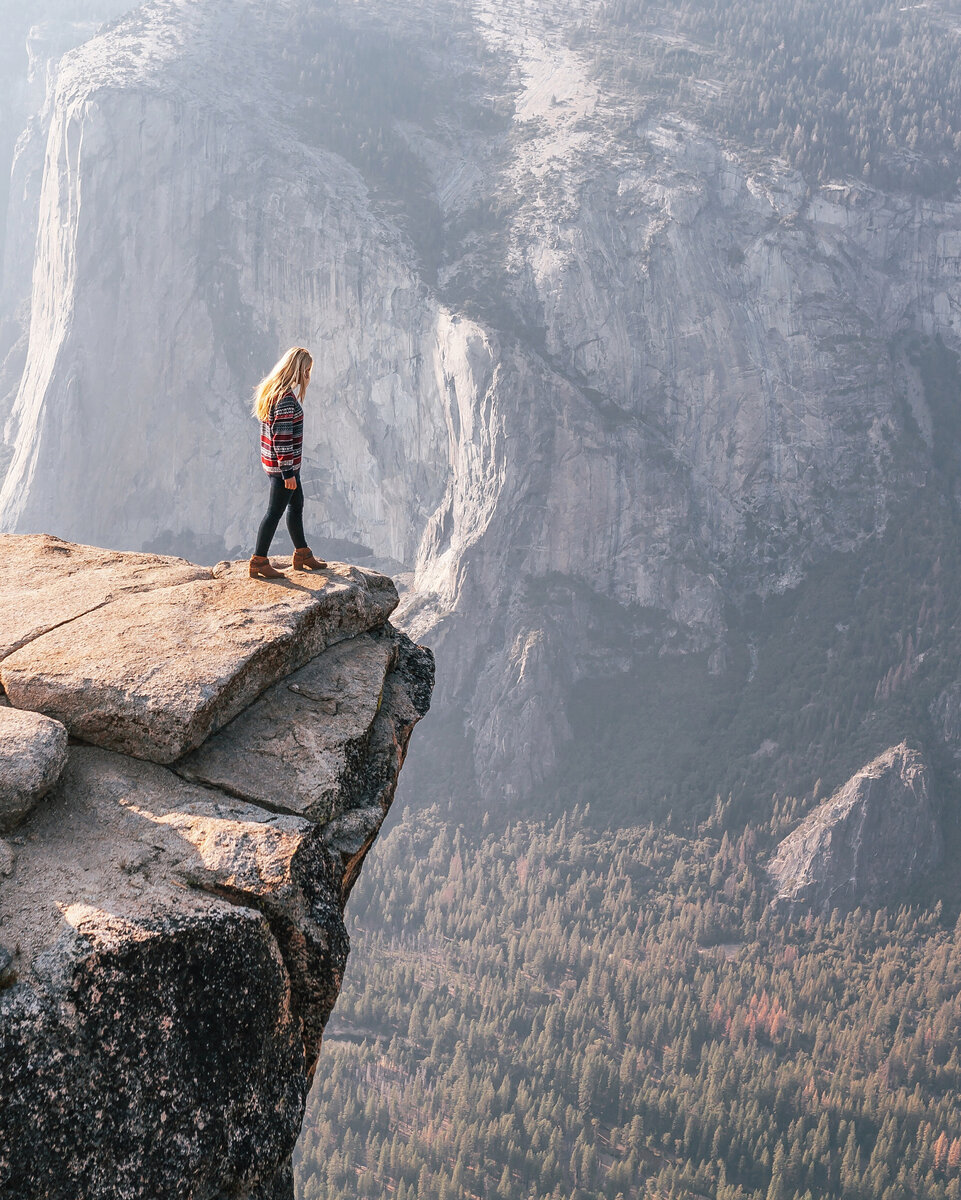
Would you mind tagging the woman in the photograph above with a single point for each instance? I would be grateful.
(281, 416)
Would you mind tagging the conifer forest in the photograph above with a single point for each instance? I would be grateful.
(556, 1012)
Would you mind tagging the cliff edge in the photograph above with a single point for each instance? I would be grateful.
(193, 766)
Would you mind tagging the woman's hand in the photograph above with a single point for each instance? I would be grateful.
(290, 484)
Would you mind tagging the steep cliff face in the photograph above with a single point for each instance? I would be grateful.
(567, 356)
(35, 38)
(172, 884)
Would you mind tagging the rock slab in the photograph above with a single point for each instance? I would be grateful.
(47, 582)
(300, 747)
(873, 840)
(154, 672)
(33, 753)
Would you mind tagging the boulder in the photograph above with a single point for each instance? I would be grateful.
(154, 673)
(872, 841)
(172, 1066)
(33, 752)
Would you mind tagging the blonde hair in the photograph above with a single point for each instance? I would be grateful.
(293, 371)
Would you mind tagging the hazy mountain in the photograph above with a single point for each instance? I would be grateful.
(616, 334)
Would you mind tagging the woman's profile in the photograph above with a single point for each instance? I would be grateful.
(278, 406)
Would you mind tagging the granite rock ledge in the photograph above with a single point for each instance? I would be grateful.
(172, 881)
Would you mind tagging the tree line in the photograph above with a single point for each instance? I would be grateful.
(839, 88)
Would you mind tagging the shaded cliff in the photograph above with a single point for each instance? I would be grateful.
(172, 883)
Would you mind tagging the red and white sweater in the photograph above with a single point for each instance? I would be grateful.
(282, 437)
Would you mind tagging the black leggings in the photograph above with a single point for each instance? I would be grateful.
(291, 499)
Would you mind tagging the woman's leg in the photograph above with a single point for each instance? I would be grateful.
(279, 497)
(295, 515)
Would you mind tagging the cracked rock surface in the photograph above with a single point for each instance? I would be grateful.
(171, 934)
(301, 744)
(157, 669)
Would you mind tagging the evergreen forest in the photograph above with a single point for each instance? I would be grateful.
(869, 88)
(553, 1011)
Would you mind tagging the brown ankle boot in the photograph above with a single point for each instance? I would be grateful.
(304, 560)
(260, 568)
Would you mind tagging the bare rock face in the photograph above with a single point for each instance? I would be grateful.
(871, 841)
(33, 753)
(47, 582)
(171, 949)
(663, 381)
(298, 746)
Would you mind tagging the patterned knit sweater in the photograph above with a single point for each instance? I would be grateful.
(282, 437)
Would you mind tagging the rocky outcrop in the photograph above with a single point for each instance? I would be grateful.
(155, 671)
(873, 840)
(63, 582)
(171, 933)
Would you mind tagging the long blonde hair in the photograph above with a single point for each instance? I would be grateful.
(292, 372)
